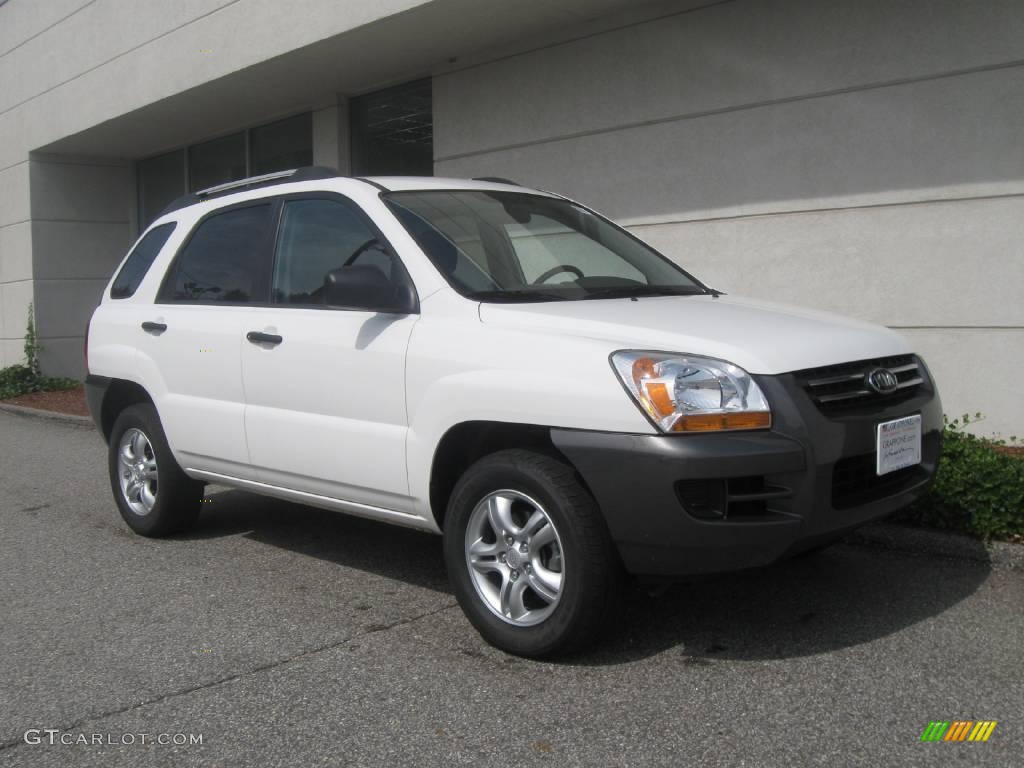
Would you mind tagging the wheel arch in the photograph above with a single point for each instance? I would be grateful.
(120, 394)
(467, 442)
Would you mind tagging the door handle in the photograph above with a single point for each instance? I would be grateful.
(151, 327)
(257, 337)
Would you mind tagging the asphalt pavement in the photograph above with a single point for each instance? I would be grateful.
(284, 635)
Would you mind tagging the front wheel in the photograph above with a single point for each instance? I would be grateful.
(529, 556)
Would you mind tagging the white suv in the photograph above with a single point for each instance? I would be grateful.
(501, 365)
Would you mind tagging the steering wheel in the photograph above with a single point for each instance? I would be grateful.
(361, 250)
(548, 274)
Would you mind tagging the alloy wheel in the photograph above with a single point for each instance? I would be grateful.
(514, 556)
(137, 471)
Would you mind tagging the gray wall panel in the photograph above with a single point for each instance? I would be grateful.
(952, 137)
(24, 20)
(950, 263)
(977, 370)
(16, 252)
(72, 249)
(722, 57)
(65, 191)
(76, 299)
(14, 301)
(14, 197)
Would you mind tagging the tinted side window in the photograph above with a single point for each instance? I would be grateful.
(139, 261)
(226, 258)
(318, 236)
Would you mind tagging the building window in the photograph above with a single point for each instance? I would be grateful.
(281, 145)
(276, 146)
(393, 131)
(215, 162)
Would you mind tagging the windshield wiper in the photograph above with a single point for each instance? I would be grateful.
(514, 295)
(634, 291)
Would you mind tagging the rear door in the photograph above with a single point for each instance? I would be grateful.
(192, 336)
(325, 386)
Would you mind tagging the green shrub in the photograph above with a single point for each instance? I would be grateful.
(32, 347)
(20, 379)
(979, 488)
(16, 380)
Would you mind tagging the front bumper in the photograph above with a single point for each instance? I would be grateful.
(704, 503)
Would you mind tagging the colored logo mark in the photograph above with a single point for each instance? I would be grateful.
(958, 730)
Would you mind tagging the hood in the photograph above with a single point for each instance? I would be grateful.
(758, 336)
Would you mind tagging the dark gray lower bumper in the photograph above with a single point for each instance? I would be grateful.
(691, 504)
(95, 390)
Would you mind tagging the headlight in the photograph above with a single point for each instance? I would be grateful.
(685, 393)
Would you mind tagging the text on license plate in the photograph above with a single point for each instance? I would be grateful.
(898, 444)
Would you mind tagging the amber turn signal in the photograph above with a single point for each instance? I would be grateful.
(714, 422)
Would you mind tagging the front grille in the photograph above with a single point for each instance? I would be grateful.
(855, 482)
(842, 387)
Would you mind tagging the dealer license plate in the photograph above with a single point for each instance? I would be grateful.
(898, 444)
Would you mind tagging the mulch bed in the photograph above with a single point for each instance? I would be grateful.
(65, 401)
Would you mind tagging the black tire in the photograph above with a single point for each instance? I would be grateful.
(177, 495)
(592, 576)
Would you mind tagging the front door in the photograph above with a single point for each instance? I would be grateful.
(325, 388)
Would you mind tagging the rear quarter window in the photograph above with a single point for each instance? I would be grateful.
(139, 260)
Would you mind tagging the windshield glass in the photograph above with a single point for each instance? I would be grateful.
(513, 246)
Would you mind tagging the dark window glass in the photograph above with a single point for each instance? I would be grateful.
(393, 131)
(316, 237)
(226, 258)
(282, 145)
(161, 180)
(139, 261)
(216, 162)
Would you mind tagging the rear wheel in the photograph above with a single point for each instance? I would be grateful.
(528, 555)
(155, 497)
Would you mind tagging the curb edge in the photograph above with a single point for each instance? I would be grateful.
(39, 413)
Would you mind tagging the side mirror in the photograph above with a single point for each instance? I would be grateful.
(361, 286)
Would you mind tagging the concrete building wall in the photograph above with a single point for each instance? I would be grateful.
(68, 66)
(16, 284)
(860, 157)
(81, 227)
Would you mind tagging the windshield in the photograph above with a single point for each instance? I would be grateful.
(514, 246)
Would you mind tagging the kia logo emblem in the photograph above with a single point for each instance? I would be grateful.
(882, 380)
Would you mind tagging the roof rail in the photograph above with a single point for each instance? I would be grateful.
(245, 182)
(308, 173)
(497, 180)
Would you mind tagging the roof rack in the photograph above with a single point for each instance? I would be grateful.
(497, 180)
(308, 173)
